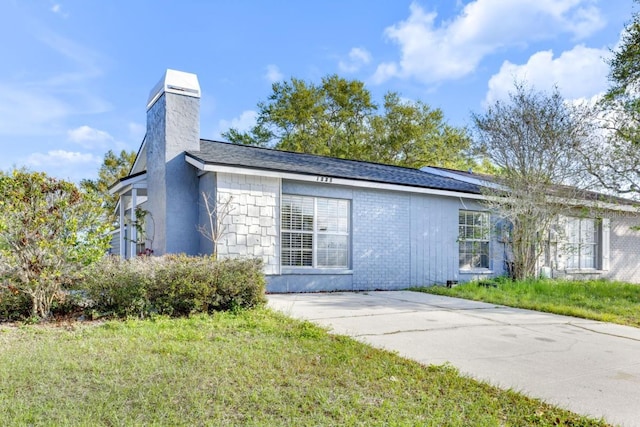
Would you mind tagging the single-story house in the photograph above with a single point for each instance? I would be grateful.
(322, 224)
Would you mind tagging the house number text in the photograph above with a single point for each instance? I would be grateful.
(324, 179)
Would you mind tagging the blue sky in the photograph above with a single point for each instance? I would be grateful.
(76, 74)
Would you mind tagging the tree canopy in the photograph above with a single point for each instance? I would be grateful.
(615, 159)
(534, 136)
(114, 166)
(338, 118)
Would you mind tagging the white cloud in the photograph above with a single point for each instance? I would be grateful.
(61, 158)
(385, 71)
(244, 122)
(57, 9)
(86, 61)
(358, 57)
(588, 19)
(34, 108)
(70, 165)
(27, 110)
(89, 137)
(273, 74)
(432, 51)
(40, 106)
(580, 73)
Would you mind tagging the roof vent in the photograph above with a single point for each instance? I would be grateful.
(175, 82)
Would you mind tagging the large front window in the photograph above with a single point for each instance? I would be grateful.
(314, 232)
(581, 243)
(473, 239)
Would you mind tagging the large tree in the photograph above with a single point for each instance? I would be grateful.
(414, 135)
(533, 139)
(615, 159)
(338, 118)
(49, 229)
(114, 166)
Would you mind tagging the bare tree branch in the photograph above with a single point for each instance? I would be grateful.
(534, 140)
(217, 211)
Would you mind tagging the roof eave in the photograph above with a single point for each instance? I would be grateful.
(127, 181)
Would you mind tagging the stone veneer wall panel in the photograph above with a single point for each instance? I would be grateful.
(252, 223)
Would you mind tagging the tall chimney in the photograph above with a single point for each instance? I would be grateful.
(173, 127)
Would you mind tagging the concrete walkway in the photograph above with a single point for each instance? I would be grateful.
(588, 367)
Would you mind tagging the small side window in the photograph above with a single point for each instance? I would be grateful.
(473, 239)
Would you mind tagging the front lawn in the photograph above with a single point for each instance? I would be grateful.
(247, 368)
(597, 299)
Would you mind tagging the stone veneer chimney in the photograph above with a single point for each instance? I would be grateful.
(173, 127)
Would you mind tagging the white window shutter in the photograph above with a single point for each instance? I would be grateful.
(604, 244)
(561, 241)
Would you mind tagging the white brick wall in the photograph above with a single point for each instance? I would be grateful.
(381, 236)
(252, 221)
(624, 249)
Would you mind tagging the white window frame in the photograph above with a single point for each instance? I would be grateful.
(582, 248)
(316, 233)
(476, 239)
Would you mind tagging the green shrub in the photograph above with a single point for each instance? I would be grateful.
(174, 285)
(14, 305)
(240, 284)
(183, 285)
(117, 287)
(17, 306)
(69, 304)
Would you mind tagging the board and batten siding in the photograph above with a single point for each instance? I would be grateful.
(434, 247)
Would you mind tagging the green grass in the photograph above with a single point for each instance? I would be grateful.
(248, 368)
(598, 299)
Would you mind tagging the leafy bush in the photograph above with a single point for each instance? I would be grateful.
(118, 288)
(14, 305)
(174, 285)
(183, 285)
(240, 284)
(18, 306)
(69, 304)
(49, 230)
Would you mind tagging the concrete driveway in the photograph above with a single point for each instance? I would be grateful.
(589, 367)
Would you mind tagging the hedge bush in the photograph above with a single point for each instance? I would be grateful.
(118, 287)
(14, 305)
(174, 285)
(18, 306)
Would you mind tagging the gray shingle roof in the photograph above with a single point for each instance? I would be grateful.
(556, 189)
(222, 153)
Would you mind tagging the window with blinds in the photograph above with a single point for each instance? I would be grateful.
(581, 246)
(314, 232)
